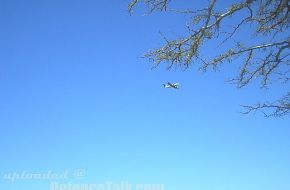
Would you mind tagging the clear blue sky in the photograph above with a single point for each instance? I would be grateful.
(75, 95)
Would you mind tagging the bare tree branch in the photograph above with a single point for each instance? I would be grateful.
(277, 109)
(265, 61)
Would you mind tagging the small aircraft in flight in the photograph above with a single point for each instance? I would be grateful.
(171, 85)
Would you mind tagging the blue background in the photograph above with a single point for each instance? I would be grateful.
(75, 95)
